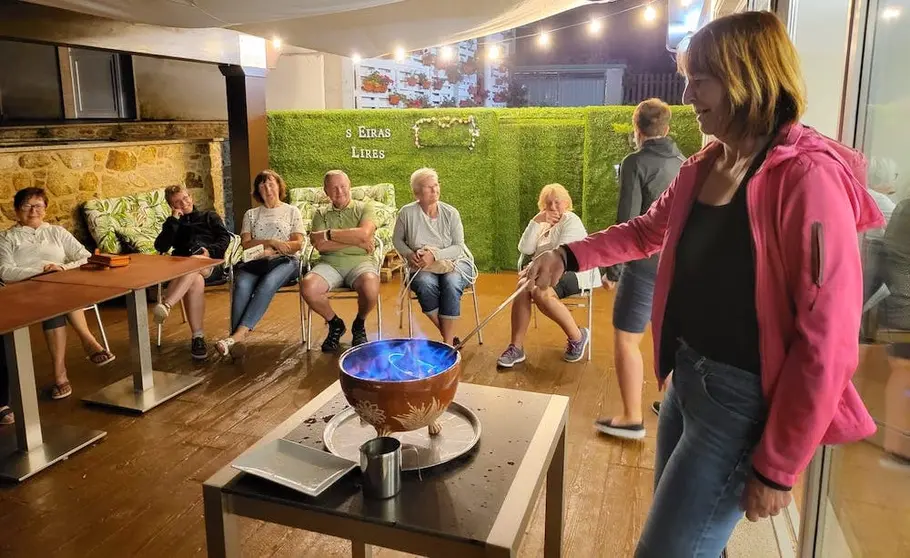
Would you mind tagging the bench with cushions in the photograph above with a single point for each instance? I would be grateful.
(130, 224)
(382, 196)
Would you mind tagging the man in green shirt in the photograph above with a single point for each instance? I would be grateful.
(343, 234)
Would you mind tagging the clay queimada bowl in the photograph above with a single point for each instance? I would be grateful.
(400, 385)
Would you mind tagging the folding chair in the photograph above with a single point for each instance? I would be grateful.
(584, 299)
(343, 293)
(470, 289)
(100, 326)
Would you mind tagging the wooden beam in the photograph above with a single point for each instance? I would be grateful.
(247, 132)
(34, 23)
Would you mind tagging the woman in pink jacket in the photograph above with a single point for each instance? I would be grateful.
(758, 294)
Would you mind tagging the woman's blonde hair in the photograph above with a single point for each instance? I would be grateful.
(421, 174)
(751, 54)
(557, 190)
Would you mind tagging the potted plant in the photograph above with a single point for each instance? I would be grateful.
(467, 103)
(394, 98)
(448, 102)
(411, 81)
(499, 97)
(423, 81)
(469, 66)
(428, 58)
(438, 82)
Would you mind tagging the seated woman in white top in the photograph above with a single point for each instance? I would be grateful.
(278, 228)
(32, 247)
(553, 226)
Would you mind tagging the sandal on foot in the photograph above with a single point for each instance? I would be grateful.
(223, 346)
(61, 391)
(6, 416)
(161, 312)
(625, 431)
(101, 358)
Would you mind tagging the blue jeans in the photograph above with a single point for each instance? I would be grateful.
(711, 419)
(253, 293)
(442, 293)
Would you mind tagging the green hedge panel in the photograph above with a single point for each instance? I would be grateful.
(495, 186)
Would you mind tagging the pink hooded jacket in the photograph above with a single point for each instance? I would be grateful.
(806, 203)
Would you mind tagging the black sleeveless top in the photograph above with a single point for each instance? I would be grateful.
(712, 298)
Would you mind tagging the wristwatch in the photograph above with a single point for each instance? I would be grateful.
(328, 234)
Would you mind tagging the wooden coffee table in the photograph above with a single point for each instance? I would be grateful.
(147, 388)
(31, 446)
(478, 505)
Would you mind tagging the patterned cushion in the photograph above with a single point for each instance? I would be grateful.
(126, 216)
(135, 239)
(382, 196)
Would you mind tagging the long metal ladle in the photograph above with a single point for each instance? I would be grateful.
(522, 285)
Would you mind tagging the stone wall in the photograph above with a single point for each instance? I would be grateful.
(114, 131)
(74, 173)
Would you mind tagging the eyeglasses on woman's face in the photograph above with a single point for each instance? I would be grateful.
(28, 207)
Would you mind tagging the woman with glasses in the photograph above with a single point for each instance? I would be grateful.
(32, 247)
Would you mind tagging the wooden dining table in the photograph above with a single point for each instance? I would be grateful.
(147, 388)
(31, 447)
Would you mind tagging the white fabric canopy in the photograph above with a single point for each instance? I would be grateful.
(366, 27)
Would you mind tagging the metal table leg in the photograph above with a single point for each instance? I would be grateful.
(554, 508)
(30, 448)
(147, 388)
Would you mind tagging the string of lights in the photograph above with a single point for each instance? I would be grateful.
(495, 50)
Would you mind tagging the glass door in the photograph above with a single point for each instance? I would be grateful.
(862, 490)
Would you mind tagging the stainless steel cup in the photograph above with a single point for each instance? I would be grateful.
(380, 467)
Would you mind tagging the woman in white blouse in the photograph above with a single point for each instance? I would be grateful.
(553, 226)
(278, 228)
(32, 247)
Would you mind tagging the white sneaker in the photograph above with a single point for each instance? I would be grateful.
(161, 312)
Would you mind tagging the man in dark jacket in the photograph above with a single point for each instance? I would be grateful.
(644, 175)
(196, 234)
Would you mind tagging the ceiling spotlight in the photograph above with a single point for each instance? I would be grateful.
(400, 54)
(494, 52)
(446, 53)
(355, 58)
(650, 13)
(595, 26)
(276, 42)
(891, 13)
(543, 39)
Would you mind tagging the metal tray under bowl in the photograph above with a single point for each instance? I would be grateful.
(345, 433)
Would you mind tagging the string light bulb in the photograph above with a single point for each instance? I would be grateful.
(595, 26)
(650, 13)
(276, 42)
(400, 54)
(543, 39)
(891, 13)
(446, 53)
(355, 58)
(494, 52)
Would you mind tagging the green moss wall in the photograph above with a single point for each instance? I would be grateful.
(495, 185)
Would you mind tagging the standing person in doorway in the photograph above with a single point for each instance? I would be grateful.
(644, 176)
(758, 295)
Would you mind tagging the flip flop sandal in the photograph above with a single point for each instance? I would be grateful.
(61, 391)
(7, 417)
(625, 431)
(101, 358)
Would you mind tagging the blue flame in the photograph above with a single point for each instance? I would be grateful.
(399, 360)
